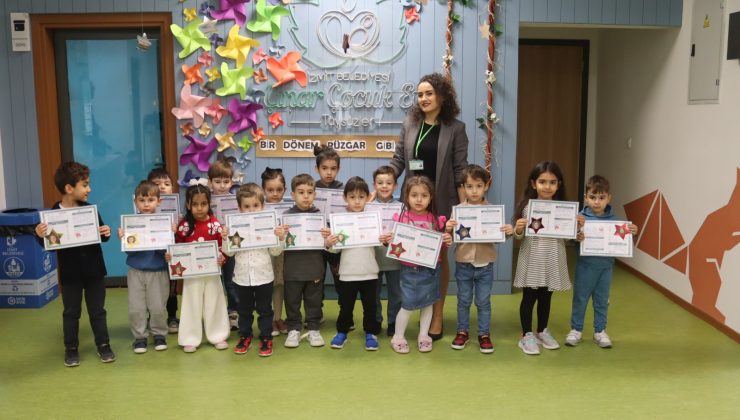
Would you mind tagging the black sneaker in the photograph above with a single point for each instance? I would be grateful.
(139, 346)
(106, 354)
(71, 358)
(160, 343)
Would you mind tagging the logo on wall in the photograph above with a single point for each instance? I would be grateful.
(47, 262)
(14, 267)
(10, 241)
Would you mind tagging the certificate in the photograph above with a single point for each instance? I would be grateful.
(607, 238)
(251, 231)
(356, 230)
(386, 210)
(194, 259)
(279, 209)
(304, 231)
(68, 228)
(143, 232)
(169, 203)
(415, 245)
(330, 200)
(224, 204)
(478, 224)
(552, 219)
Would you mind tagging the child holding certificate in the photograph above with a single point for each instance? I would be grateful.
(358, 273)
(593, 274)
(253, 277)
(203, 302)
(419, 284)
(474, 266)
(147, 281)
(542, 266)
(273, 185)
(81, 269)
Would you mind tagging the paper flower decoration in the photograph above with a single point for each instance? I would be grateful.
(204, 129)
(267, 19)
(259, 76)
(411, 3)
(225, 141)
(275, 120)
(216, 40)
(243, 115)
(242, 161)
(190, 14)
(192, 74)
(191, 106)
(258, 134)
(208, 26)
(186, 129)
(245, 144)
(235, 80)
(198, 153)
(484, 29)
(237, 46)
(216, 111)
(190, 38)
(411, 15)
(213, 74)
(205, 58)
(256, 95)
(207, 88)
(185, 181)
(259, 56)
(277, 50)
(287, 69)
(205, 9)
(231, 10)
(490, 77)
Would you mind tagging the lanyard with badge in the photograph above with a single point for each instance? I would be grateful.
(418, 164)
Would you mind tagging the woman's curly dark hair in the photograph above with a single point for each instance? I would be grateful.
(446, 95)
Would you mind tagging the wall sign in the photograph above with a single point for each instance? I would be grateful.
(345, 145)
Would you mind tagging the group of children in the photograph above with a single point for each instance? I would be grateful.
(262, 280)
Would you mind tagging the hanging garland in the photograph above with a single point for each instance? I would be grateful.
(447, 59)
(490, 78)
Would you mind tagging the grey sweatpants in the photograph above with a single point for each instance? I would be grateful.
(147, 301)
(310, 292)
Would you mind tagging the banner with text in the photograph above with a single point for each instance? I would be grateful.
(345, 145)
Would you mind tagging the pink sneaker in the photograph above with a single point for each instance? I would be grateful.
(221, 345)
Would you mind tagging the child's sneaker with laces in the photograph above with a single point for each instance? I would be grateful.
(140, 346)
(573, 338)
(485, 344)
(371, 342)
(234, 320)
(243, 345)
(275, 329)
(106, 353)
(173, 325)
(529, 345)
(294, 339)
(71, 357)
(265, 347)
(315, 339)
(460, 340)
(160, 343)
(338, 341)
(547, 340)
(602, 339)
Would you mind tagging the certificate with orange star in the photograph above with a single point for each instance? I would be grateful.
(607, 238)
(194, 259)
(72, 227)
(415, 245)
(552, 219)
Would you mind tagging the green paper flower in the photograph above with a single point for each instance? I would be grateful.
(235, 80)
(190, 38)
(267, 19)
(245, 143)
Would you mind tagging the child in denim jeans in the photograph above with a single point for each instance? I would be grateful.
(474, 267)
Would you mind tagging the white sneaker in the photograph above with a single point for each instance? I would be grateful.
(573, 338)
(221, 345)
(547, 340)
(528, 344)
(315, 339)
(294, 339)
(603, 340)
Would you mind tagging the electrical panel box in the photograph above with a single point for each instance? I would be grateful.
(20, 31)
(706, 51)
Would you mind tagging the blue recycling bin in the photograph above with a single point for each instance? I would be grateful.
(28, 278)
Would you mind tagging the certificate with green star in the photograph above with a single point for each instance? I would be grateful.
(356, 230)
(304, 231)
(253, 230)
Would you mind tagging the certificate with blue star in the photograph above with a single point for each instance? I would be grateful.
(552, 219)
(415, 245)
(72, 227)
(356, 230)
(194, 259)
(304, 231)
(144, 232)
(478, 223)
(607, 238)
(251, 231)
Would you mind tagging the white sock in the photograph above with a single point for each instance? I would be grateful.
(425, 320)
(402, 321)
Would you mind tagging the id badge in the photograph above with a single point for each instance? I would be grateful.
(416, 165)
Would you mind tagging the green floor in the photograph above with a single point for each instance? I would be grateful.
(665, 364)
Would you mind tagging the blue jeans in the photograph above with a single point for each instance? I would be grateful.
(591, 282)
(476, 281)
(393, 280)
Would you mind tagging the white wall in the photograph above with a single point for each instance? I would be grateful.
(689, 152)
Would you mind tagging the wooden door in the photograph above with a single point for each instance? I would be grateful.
(553, 77)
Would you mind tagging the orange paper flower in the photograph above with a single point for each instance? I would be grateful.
(275, 120)
(287, 69)
(258, 134)
(259, 76)
(192, 74)
(411, 15)
(187, 129)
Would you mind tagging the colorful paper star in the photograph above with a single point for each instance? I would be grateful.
(287, 69)
(213, 74)
(225, 141)
(245, 144)
(177, 269)
(243, 115)
(190, 14)
(208, 26)
(463, 232)
(198, 153)
(231, 10)
(190, 38)
(342, 237)
(191, 106)
(237, 47)
(259, 76)
(259, 56)
(235, 80)
(536, 224)
(289, 240)
(216, 111)
(186, 129)
(267, 19)
(192, 74)
(258, 134)
(411, 15)
(235, 240)
(622, 230)
(397, 249)
(275, 120)
(205, 58)
(204, 129)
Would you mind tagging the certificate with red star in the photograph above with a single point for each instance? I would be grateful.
(607, 238)
(415, 245)
(194, 259)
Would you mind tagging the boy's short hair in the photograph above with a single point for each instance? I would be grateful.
(302, 179)
(158, 173)
(356, 183)
(385, 170)
(146, 189)
(597, 184)
(476, 172)
(325, 152)
(220, 169)
(248, 191)
(70, 173)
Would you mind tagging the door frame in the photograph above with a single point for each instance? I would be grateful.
(585, 44)
(45, 82)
